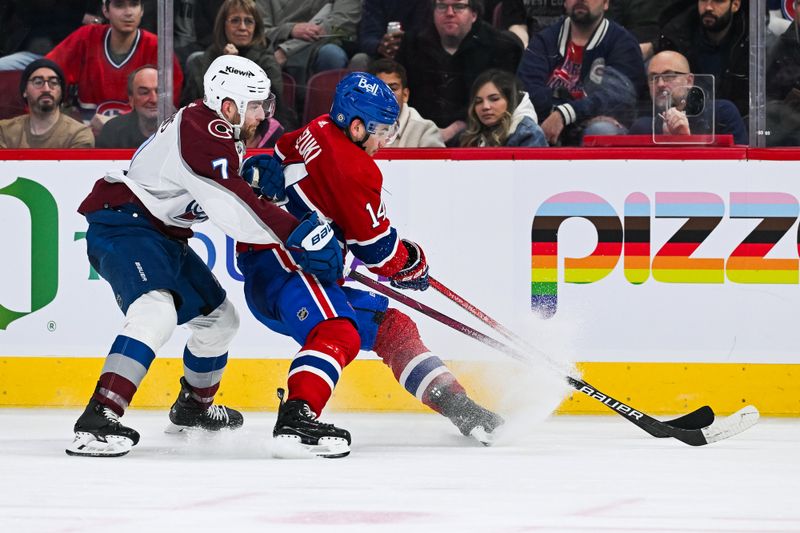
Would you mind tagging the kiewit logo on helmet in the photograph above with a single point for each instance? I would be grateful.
(232, 70)
(369, 87)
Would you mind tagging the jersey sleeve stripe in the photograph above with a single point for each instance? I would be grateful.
(373, 240)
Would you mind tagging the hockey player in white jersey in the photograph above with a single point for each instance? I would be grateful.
(139, 223)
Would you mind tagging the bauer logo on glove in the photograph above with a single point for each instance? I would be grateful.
(314, 248)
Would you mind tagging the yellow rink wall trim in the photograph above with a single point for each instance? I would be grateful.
(368, 385)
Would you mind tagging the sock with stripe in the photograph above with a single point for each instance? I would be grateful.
(316, 368)
(126, 365)
(399, 345)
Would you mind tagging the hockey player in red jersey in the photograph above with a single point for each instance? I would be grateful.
(98, 58)
(328, 168)
(139, 223)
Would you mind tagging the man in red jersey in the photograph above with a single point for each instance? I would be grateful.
(328, 169)
(98, 58)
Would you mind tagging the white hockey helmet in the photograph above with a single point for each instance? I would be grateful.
(238, 79)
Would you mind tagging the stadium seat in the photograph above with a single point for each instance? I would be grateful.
(11, 103)
(319, 93)
(289, 89)
(497, 16)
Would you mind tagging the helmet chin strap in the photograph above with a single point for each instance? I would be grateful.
(237, 128)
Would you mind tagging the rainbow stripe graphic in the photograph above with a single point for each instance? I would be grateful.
(637, 238)
(672, 263)
(747, 263)
(544, 246)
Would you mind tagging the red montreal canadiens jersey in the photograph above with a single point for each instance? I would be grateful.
(102, 84)
(188, 172)
(327, 173)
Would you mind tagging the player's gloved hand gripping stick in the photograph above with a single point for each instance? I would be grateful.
(414, 275)
(696, 428)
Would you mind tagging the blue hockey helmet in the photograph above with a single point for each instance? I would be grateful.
(364, 96)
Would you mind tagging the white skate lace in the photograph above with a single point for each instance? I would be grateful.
(110, 415)
(217, 412)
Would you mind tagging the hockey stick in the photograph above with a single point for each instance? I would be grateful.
(697, 419)
(719, 430)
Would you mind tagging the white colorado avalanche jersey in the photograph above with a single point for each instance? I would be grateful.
(188, 172)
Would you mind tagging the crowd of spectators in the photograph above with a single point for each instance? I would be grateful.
(465, 72)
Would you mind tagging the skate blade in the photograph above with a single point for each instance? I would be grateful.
(482, 436)
(87, 445)
(290, 447)
(174, 429)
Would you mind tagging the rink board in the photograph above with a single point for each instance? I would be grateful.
(672, 281)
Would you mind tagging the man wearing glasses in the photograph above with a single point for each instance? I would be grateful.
(42, 87)
(670, 81)
(448, 55)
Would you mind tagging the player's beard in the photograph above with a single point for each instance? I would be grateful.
(248, 131)
(715, 24)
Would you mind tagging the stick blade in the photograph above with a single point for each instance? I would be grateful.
(697, 419)
(741, 420)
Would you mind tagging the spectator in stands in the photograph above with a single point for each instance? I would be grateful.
(524, 18)
(132, 129)
(713, 35)
(238, 30)
(447, 57)
(309, 36)
(32, 28)
(99, 58)
(374, 39)
(414, 131)
(500, 114)
(670, 79)
(584, 74)
(42, 87)
(783, 87)
(641, 18)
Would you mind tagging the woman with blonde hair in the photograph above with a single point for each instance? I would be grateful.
(500, 114)
(238, 30)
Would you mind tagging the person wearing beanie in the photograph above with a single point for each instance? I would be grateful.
(45, 126)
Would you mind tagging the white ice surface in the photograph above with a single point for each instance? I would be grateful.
(406, 472)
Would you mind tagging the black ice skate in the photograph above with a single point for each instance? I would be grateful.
(188, 413)
(298, 433)
(471, 419)
(99, 433)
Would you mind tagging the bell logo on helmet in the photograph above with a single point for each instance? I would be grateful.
(369, 87)
(233, 70)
